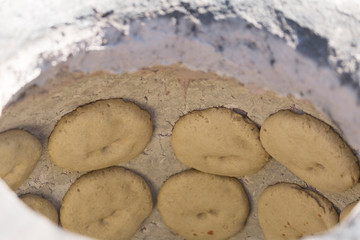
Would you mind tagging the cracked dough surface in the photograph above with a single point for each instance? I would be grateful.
(42, 206)
(287, 211)
(167, 93)
(19, 151)
(219, 141)
(100, 134)
(106, 204)
(311, 149)
(198, 205)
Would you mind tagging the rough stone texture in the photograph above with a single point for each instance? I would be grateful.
(305, 49)
(328, 34)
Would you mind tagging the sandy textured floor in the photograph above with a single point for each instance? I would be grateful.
(167, 93)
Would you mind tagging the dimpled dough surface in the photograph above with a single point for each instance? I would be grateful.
(106, 204)
(19, 153)
(287, 211)
(311, 149)
(198, 205)
(219, 141)
(100, 134)
(42, 206)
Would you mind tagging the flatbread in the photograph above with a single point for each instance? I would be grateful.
(106, 204)
(42, 206)
(346, 211)
(287, 211)
(100, 134)
(20, 152)
(198, 205)
(310, 149)
(219, 141)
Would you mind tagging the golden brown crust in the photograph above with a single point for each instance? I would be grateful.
(287, 211)
(106, 204)
(346, 211)
(311, 149)
(219, 141)
(198, 205)
(42, 206)
(100, 134)
(20, 152)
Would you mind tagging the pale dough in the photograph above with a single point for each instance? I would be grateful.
(199, 205)
(287, 211)
(106, 204)
(100, 134)
(347, 210)
(310, 149)
(20, 152)
(42, 206)
(219, 141)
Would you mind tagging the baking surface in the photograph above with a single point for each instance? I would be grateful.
(167, 93)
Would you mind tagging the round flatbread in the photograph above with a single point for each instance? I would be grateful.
(19, 154)
(311, 149)
(219, 141)
(287, 211)
(198, 205)
(106, 204)
(42, 206)
(99, 135)
(346, 211)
